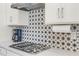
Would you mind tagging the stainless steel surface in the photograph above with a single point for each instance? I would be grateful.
(27, 6)
(30, 47)
(62, 12)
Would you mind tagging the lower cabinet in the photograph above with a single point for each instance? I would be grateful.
(5, 52)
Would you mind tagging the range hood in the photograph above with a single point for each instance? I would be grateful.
(27, 6)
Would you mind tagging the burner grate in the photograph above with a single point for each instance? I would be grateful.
(30, 47)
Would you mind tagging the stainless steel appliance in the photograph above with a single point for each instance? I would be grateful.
(17, 35)
(27, 6)
(30, 47)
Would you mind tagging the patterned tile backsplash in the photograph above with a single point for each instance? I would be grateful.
(38, 32)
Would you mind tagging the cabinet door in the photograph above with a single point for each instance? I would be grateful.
(70, 13)
(12, 15)
(13, 18)
(52, 13)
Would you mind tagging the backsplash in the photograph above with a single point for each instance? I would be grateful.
(38, 32)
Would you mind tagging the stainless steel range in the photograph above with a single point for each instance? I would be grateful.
(30, 47)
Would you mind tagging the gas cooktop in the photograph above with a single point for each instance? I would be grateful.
(29, 47)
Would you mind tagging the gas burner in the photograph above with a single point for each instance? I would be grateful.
(30, 47)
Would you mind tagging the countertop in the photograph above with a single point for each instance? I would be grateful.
(49, 52)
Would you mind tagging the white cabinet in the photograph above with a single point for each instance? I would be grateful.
(52, 13)
(13, 17)
(62, 13)
(16, 17)
(71, 12)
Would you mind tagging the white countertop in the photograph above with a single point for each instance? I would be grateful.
(49, 52)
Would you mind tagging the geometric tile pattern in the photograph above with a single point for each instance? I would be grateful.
(63, 41)
(75, 36)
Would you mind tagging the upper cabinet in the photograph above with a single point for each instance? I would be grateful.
(52, 13)
(61, 13)
(16, 17)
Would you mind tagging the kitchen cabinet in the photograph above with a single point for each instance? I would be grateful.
(13, 17)
(62, 13)
(70, 13)
(52, 13)
(16, 17)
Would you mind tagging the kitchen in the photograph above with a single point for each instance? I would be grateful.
(38, 29)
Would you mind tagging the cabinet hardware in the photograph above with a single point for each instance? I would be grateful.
(62, 12)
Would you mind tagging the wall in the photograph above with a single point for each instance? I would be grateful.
(5, 31)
